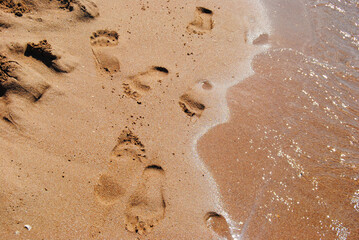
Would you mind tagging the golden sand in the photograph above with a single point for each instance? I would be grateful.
(101, 106)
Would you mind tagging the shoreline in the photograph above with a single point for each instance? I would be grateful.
(178, 119)
(266, 29)
(277, 173)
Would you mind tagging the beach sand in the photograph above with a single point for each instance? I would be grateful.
(179, 119)
(102, 104)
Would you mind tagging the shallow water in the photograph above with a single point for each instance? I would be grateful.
(287, 161)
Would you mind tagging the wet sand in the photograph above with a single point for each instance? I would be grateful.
(286, 162)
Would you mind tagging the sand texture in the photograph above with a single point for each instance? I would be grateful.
(101, 106)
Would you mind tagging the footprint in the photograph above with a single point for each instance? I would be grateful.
(138, 85)
(126, 161)
(191, 102)
(203, 22)
(129, 145)
(146, 206)
(55, 59)
(218, 224)
(104, 38)
(191, 106)
(101, 42)
(18, 81)
(108, 190)
(261, 39)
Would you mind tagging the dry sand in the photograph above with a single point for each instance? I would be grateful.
(101, 106)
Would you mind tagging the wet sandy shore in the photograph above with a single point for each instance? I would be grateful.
(117, 122)
(286, 162)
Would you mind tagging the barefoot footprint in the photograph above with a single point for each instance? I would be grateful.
(191, 106)
(101, 42)
(202, 23)
(126, 160)
(138, 85)
(146, 206)
(191, 102)
(261, 39)
(18, 81)
(218, 224)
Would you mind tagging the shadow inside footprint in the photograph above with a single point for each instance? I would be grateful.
(88, 8)
(203, 22)
(2, 91)
(190, 106)
(218, 224)
(196, 99)
(261, 40)
(44, 52)
(146, 206)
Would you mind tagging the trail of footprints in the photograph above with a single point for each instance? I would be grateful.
(131, 175)
(84, 9)
(146, 205)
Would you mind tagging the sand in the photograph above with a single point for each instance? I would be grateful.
(102, 104)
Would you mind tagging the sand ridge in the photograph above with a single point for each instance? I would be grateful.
(121, 104)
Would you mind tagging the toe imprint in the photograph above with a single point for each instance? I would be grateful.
(129, 144)
(104, 38)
